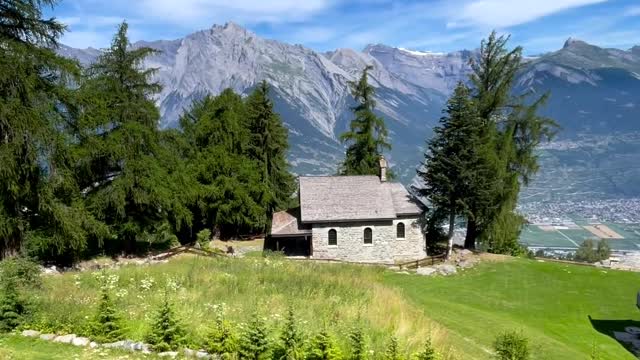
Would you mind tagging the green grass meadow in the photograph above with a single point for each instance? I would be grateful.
(549, 302)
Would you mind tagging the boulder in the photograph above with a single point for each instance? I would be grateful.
(189, 353)
(31, 333)
(80, 341)
(446, 269)
(93, 344)
(169, 354)
(403, 273)
(202, 355)
(65, 339)
(465, 264)
(426, 271)
(47, 337)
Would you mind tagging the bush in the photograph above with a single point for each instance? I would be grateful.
(105, 327)
(392, 352)
(591, 252)
(25, 272)
(512, 346)
(428, 352)
(323, 347)
(254, 343)
(203, 238)
(167, 332)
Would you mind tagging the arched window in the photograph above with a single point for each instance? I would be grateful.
(333, 237)
(368, 236)
(400, 231)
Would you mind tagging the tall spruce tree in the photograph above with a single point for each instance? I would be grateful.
(268, 146)
(40, 208)
(517, 129)
(453, 169)
(118, 152)
(367, 135)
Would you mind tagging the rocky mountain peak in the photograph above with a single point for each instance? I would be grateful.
(635, 50)
(573, 42)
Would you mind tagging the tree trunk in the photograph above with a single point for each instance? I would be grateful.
(452, 220)
(472, 234)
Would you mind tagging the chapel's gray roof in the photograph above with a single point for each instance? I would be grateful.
(351, 198)
(287, 223)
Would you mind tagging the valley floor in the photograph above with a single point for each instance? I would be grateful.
(565, 310)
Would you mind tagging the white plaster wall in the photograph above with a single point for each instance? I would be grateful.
(386, 247)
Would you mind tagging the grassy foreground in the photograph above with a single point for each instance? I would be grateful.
(549, 302)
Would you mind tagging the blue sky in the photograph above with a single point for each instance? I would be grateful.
(431, 25)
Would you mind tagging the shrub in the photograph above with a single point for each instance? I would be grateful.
(591, 252)
(428, 352)
(291, 346)
(167, 332)
(512, 346)
(323, 347)
(105, 327)
(254, 343)
(203, 238)
(603, 250)
(12, 306)
(358, 346)
(24, 271)
(392, 352)
(222, 340)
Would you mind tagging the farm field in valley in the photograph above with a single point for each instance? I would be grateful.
(621, 237)
(549, 302)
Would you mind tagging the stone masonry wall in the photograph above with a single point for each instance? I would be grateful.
(386, 247)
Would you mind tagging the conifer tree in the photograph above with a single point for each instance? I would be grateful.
(455, 168)
(367, 134)
(254, 343)
(167, 332)
(392, 352)
(428, 352)
(118, 153)
(358, 346)
(12, 306)
(40, 209)
(516, 130)
(291, 340)
(323, 347)
(222, 340)
(106, 326)
(269, 145)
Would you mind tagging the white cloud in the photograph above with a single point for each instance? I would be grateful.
(632, 11)
(506, 13)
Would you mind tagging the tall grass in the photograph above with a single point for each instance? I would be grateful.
(335, 296)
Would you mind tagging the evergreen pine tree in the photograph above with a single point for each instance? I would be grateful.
(392, 352)
(118, 150)
(291, 346)
(323, 347)
(254, 343)
(222, 340)
(269, 145)
(106, 325)
(12, 306)
(40, 207)
(516, 130)
(358, 345)
(367, 135)
(455, 167)
(167, 332)
(428, 352)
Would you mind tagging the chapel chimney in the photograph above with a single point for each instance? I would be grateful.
(383, 169)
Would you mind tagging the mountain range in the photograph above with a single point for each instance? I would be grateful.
(595, 94)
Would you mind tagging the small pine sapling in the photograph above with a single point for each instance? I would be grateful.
(167, 332)
(393, 351)
(222, 340)
(12, 306)
(291, 346)
(106, 325)
(512, 346)
(254, 343)
(358, 344)
(428, 352)
(324, 348)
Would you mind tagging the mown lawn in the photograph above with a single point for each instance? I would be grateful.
(15, 347)
(549, 302)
